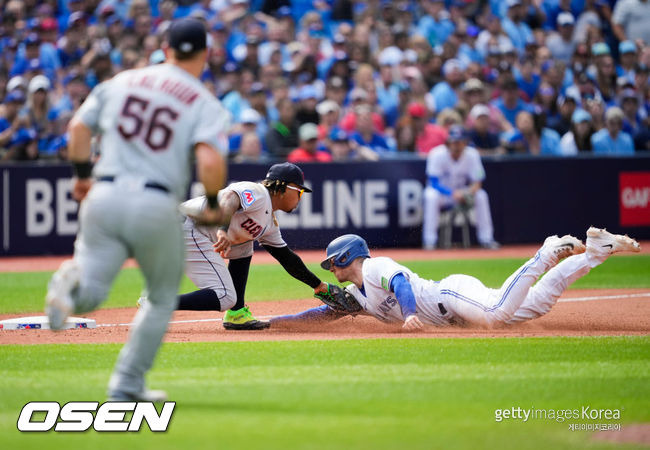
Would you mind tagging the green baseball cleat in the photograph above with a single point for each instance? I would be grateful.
(243, 319)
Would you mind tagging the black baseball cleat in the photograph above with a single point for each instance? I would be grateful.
(243, 319)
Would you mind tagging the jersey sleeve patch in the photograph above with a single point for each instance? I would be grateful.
(384, 284)
(248, 198)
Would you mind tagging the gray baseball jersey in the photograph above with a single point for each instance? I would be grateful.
(150, 119)
(253, 221)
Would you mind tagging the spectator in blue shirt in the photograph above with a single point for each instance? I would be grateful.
(257, 100)
(204, 7)
(514, 26)
(22, 146)
(10, 122)
(445, 93)
(31, 58)
(250, 120)
(120, 7)
(480, 136)
(48, 32)
(37, 113)
(69, 46)
(567, 105)
(578, 139)
(467, 50)
(365, 134)
(561, 43)
(528, 79)
(236, 100)
(436, 25)
(538, 140)
(75, 92)
(58, 147)
(612, 139)
(633, 122)
(388, 90)
(628, 58)
(510, 102)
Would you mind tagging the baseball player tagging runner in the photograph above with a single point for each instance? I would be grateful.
(151, 120)
(392, 293)
(252, 207)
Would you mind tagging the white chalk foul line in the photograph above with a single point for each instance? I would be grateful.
(172, 322)
(604, 297)
(574, 299)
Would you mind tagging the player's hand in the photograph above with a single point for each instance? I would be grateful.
(321, 288)
(80, 188)
(458, 195)
(412, 323)
(222, 246)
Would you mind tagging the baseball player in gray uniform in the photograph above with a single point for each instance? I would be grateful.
(252, 207)
(392, 293)
(151, 120)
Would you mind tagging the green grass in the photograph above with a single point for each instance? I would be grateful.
(358, 394)
(24, 292)
(367, 394)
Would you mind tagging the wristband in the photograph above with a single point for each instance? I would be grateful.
(213, 202)
(82, 170)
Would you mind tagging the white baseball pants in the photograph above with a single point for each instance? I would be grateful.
(517, 300)
(434, 201)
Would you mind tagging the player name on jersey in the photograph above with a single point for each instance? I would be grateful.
(177, 89)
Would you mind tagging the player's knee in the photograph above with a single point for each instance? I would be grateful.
(498, 317)
(227, 302)
(226, 295)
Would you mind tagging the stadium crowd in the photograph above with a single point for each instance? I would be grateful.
(328, 80)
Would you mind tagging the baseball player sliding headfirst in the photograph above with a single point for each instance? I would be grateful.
(252, 207)
(392, 293)
(151, 121)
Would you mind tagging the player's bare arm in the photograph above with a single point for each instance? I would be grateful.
(79, 155)
(229, 203)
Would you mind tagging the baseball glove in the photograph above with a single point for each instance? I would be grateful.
(339, 299)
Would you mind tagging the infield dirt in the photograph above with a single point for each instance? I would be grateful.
(623, 315)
